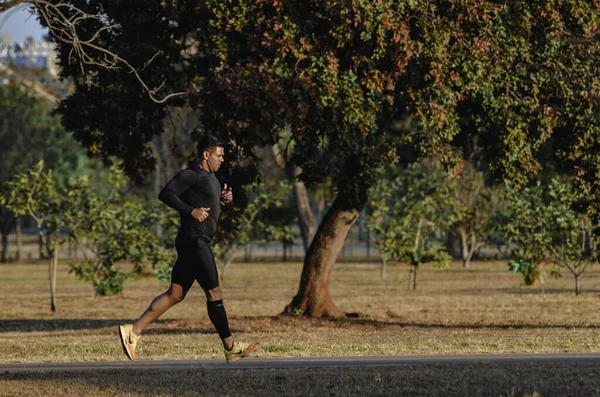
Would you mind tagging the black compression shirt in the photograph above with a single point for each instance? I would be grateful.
(189, 189)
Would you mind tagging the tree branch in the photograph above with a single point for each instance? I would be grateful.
(66, 30)
(585, 40)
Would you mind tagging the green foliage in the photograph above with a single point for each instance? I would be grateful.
(531, 272)
(60, 214)
(470, 205)
(505, 78)
(259, 220)
(105, 280)
(162, 253)
(298, 313)
(29, 132)
(544, 228)
(34, 193)
(524, 225)
(406, 211)
(117, 229)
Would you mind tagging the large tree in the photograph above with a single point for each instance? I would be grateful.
(502, 78)
(507, 77)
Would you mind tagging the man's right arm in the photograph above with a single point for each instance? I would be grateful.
(175, 187)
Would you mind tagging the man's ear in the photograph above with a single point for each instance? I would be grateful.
(205, 155)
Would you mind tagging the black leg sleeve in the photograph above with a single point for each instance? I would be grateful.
(218, 316)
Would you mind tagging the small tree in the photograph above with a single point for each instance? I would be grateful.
(118, 228)
(472, 205)
(58, 214)
(408, 214)
(523, 227)
(251, 223)
(378, 209)
(545, 228)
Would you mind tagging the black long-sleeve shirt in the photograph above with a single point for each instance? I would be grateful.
(193, 188)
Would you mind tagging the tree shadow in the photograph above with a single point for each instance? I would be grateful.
(357, 319)
(262, 323)
(51, 325)
(542, 291)
(60, 324)
(360, 319)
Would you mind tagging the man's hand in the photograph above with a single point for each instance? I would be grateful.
(200, 214)
(226, 195)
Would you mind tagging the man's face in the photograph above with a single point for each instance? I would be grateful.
(215, 158)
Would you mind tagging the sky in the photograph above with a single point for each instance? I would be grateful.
(20, 23)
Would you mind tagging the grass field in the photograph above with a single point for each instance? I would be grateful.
(480, 310)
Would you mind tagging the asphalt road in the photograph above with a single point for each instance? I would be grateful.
(309, 362)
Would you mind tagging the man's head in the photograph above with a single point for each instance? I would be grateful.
(210, 152)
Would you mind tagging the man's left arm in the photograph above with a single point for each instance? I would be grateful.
(226, 195)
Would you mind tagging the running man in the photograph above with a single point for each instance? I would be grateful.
(196, 194)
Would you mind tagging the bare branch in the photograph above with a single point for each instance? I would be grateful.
(66, 29)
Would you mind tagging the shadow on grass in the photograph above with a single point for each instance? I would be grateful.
(523, 291)
(27, 325)
(542, 291)
(359, 319)
(61, 324)
(259, 323)
(377, 323)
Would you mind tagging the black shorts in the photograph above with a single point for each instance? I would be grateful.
(195, 262)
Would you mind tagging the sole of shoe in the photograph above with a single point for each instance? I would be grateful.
(125, 343)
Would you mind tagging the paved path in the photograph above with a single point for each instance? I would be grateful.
(309, 362)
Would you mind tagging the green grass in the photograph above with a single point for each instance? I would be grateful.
(481, 310)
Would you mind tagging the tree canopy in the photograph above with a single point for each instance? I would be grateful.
(499, 78)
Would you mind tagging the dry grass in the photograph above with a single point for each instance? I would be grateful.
(481, 310)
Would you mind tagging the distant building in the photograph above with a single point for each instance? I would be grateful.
(31, 54)
(6, 38)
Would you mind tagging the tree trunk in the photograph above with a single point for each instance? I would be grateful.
(368, 244)
(53, 259)
(414, 263)
(577, 286)
(227, 263)
(414, 286)
(41, 243)
(383, 271)
(467, 262)
(6, 223)
(19, 236)
(313, 298)
(465, 249)
(306, 219)
(453, 245)
(4, 250)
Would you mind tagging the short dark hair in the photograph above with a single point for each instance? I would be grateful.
(207, 143)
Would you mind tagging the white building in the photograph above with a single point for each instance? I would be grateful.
(41, 55)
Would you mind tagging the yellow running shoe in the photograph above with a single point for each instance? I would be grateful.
(129, 340)
(240, 350)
